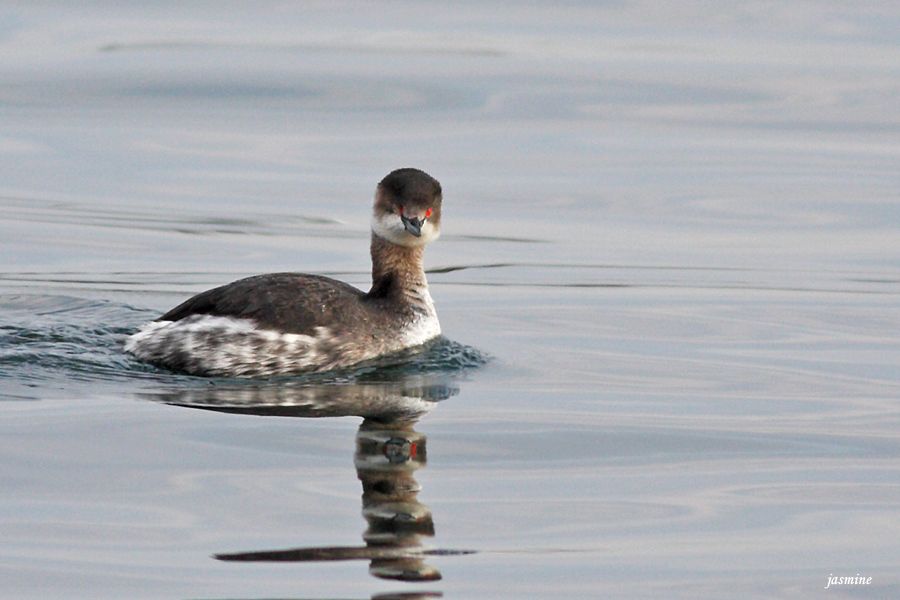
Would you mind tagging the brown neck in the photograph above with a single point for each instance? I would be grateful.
(396, 269)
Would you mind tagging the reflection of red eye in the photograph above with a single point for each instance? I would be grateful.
(427, 213)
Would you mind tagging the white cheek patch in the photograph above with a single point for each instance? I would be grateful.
(391, 228)
(429, 233)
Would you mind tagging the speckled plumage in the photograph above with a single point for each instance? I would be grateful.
(284, 323)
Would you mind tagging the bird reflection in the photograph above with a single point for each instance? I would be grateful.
(388, 453)
(387, 458)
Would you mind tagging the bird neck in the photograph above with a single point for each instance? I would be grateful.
(396, 269)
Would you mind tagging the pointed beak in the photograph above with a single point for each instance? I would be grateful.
(414, 225)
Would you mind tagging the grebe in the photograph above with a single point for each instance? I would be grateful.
(285, 323)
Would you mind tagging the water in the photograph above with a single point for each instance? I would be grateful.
(669, 281)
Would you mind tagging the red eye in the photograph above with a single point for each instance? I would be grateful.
(427, 213)
(400, 210)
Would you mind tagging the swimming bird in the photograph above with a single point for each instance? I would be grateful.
(287, 323)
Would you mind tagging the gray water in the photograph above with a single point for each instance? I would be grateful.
(669, 283)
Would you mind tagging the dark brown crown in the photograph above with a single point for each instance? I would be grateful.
(411, 189)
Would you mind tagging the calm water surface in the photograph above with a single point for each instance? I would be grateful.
(669, 281)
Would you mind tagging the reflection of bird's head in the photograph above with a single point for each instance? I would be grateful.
(382, 448)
